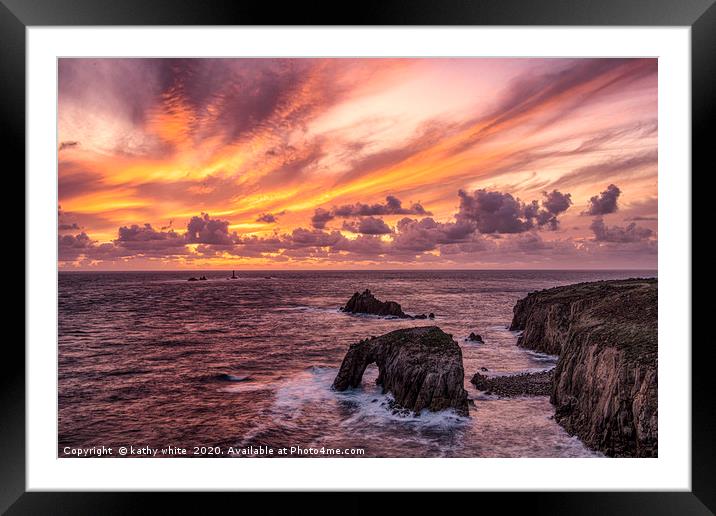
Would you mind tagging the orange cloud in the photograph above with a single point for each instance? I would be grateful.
(147, 141)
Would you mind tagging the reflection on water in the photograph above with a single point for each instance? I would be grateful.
(151, 359)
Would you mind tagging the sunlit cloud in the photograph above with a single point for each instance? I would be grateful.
(357, 163)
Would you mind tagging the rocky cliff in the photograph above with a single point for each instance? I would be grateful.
(605, 383)
(421, 367)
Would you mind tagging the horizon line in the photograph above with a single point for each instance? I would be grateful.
(362, 270)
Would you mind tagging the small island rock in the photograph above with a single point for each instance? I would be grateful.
(366, 303)
(421, 367)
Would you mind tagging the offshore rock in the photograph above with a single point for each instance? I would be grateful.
(421, 367)
(366, 303)
(474, 337)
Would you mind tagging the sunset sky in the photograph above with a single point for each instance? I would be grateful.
(357, 163)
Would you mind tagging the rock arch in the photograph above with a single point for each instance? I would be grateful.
(421, 367)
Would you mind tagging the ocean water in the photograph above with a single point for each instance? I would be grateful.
(150, 359)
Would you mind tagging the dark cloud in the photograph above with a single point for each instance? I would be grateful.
(604, 203)
(553, 204)
(475, 244)
(205, 230)
(497, 212)
(268, 218)
(321, 217)
(254, 246)
(71, 248)
(493, 212)
(301, 237)
(530, 242)
(79, 241)
(495, 225)
(619, 234)
(68, 227)
(413, 237)
(363, 245)
(145, 233)
(392, 206)
(368, 226)
(426, 234)
(146, 238)
(556, 202)
(310, 243)
(68, 145)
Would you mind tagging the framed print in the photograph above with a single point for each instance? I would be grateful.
(380, 253)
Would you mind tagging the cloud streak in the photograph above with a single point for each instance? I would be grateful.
(335, 162)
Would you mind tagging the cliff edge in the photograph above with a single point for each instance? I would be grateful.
(605, 383)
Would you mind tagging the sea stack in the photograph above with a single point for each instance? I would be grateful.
(474, 337)
(366, 303)
(421, 367)
(605, 384)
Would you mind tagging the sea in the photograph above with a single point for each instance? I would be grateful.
(233, 368)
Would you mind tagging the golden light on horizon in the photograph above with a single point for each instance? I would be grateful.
(314, 162)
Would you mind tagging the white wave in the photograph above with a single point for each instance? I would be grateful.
(378, 409)
(313, 309)
(542, 357)
(234, 378)
(246, 387)
(367, 403)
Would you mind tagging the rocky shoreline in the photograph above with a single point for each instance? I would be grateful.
(603, 388)
(524, 384)
(605, 383)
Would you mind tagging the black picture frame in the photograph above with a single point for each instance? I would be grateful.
(17, 15)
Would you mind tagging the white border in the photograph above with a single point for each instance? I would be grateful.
(670, 471)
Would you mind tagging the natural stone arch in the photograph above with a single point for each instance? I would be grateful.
(421, 368)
